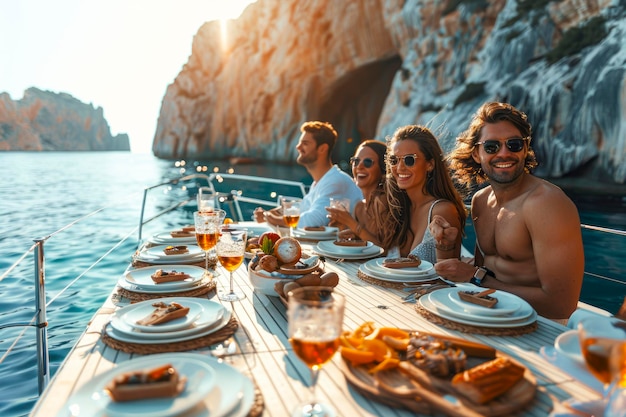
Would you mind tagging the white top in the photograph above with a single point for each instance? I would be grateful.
(335, 183)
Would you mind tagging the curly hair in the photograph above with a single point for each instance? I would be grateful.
(465, 169)
(322, 132)
(438, 185)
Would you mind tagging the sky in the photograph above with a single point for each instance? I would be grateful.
(116, 54)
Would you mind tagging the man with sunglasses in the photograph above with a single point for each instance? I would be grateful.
(528, 235)
(315, 148)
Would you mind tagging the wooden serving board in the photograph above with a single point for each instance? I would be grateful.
(395, 388)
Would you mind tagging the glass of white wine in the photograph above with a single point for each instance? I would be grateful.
(206, 199)
(291, 212)
(207, 226)
(315, 317)
(600, 339)
(230, 249)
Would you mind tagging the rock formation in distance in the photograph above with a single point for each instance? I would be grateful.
(47, 121)
(370, 66)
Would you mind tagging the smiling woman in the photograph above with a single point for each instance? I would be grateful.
(114, 54)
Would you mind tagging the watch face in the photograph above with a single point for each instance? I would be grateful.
(480, 273)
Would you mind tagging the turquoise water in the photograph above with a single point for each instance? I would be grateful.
(42, 192)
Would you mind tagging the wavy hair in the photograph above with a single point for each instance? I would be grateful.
(438, 185)
(465, 169)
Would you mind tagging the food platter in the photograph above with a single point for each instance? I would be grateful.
(436, 395)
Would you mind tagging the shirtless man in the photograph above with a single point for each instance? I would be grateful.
(528, 235)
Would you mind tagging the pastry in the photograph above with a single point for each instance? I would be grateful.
(315, 228)
(164, 313)
(397, 263)
(350, 242)
(176, 250)
(161, 276)
(160, 382)
(488, 380)
(287, 250)
(481, 298)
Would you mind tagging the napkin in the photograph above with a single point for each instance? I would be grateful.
(571, 367)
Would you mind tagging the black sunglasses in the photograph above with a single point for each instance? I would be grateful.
(513, 145)
(409, 160)
(368, 162)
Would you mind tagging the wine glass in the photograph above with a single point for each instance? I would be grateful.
(600, 341)
(206, 199)
(230, 249)
(315, 317)
(207, 232)
(291, 212)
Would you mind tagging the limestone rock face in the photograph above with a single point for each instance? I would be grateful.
(46, 121)
(371, 66)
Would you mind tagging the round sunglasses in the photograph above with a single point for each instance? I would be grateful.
(513, 145)
(409, 160)
(368, 162)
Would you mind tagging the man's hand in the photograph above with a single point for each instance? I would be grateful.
(455, 270)
(445, 234)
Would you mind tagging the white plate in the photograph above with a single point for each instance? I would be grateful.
(507, 303)
(328, 233)
(134, 312)
(425, 268)
(390, 277)
(142, 277)
(568, 344)
(207, 314)
(330, 246)
(254, 229)
(156, 289)
(372, 252)
(159, 338)
(440, 299)
(158, 253)
(166, 238)
(91, 400)
(424, 301)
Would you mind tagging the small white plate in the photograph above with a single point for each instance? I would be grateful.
(166, 238)
(135, 312)
(159, 253)
(92, 400)
(330, 246)
(568, 344)
(440, 299)
(424, 268)
(372, 252)
(367, 269)
(328, 233)
(142, 277)
(129, 335)
(157, 289)
(425, 302)
(507, 303)
(254, 229)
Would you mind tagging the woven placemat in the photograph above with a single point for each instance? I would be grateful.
(200, 342)
(197, 291)
(466, 328)
(259, 403)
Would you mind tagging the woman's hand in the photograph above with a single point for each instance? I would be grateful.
(339, 217)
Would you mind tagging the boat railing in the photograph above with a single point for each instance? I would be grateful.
(233, 199)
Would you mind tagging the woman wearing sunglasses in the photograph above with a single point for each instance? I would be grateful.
(368, 171)
(419, 190)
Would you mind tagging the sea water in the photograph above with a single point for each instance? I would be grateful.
(43, 192)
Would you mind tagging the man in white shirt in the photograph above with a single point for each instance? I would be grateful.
(314, 153)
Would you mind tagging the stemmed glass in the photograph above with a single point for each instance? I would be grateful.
(206, 199)
(207, 233)
(315, 317)
(291, 212)
(230, 250)
(600, 341)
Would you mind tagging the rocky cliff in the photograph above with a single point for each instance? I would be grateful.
(46, 121)
(370, 66)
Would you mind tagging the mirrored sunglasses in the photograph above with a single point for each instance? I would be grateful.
(368, 162)
(409, 160)
(513, 145)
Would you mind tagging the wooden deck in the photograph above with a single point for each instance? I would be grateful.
(265, 355)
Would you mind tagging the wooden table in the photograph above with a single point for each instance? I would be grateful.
(265, 355)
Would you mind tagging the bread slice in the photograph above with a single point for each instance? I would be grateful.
(397, 263)
(488, 380)
(161, 276)
(164, 313)
(160, 382)
(479, 298)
